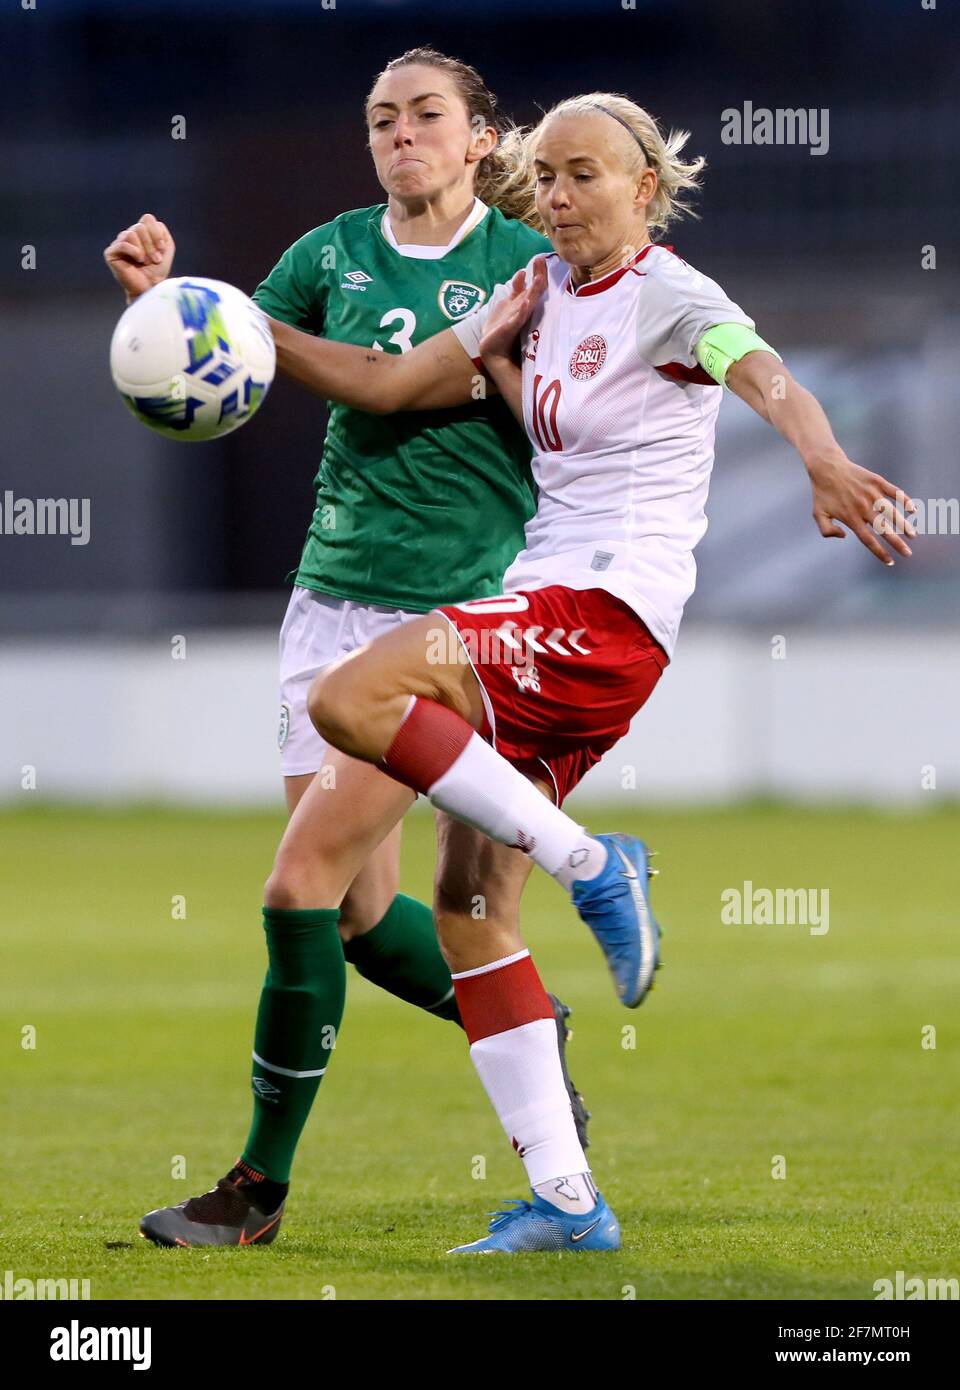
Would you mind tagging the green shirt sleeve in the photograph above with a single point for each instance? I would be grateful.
(296, 289)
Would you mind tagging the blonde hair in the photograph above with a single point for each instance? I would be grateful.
(675, 176)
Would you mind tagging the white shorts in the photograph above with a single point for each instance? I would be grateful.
(316, 631)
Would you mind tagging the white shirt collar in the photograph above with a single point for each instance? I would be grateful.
(434, 253)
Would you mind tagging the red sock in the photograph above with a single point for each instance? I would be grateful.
(513, 1044)
(501, 996)
(426, 745)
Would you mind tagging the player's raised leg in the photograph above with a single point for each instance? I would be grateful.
(510, 1022)
(406, 704)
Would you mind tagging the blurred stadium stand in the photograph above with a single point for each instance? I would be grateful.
(824, 251)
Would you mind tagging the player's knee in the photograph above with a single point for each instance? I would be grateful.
(296, 883)
(340, 702)
(282, 890)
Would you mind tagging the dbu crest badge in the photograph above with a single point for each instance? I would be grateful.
(458, 297)
(284, 729)
(588, 357)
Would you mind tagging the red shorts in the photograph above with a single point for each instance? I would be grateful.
(563, 671)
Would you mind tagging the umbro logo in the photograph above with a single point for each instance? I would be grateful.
(264, 1089)
(356, 280)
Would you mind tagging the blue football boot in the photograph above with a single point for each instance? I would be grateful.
(616, 907)
(539, 1225)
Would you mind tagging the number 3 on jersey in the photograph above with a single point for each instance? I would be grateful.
(403, 337)
(545, 403)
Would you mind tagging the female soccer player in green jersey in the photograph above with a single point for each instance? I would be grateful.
(411, 511)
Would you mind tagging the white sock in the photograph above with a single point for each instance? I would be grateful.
(483, 789)
(521, 1073)
(576, 1194)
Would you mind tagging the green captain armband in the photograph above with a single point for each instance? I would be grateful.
(725, 344)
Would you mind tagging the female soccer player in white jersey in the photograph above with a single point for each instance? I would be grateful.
(622, 351)
(397, 506)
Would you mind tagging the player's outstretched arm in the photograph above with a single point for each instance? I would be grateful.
(842, 490)
(434, 374)
(141, 256)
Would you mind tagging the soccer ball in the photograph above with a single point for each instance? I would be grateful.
(193, 358)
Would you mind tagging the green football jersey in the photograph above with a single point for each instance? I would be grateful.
(422, 507)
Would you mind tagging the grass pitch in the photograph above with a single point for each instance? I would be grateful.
(759, 1042)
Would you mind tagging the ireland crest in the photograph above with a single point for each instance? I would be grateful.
(458, 297)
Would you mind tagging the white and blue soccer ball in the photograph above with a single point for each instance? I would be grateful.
(193, 358)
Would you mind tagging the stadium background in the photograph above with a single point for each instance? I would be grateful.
(825, 251)
(853, 734)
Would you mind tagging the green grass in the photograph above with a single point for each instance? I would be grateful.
(759, 1041)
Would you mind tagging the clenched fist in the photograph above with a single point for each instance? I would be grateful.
(141, 256)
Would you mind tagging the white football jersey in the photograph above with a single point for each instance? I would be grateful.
(621, 418)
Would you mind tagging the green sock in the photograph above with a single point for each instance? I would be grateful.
(301, 1006)
(402, 956)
